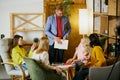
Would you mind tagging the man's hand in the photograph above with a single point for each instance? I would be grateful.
(64, 38)
(58, 39)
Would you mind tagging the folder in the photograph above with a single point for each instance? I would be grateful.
(64, 45)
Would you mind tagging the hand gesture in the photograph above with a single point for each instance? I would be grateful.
(33, 47)
(58, 39)
(58, 70)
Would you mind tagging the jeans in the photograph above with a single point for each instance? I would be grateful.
(78, 66)
(24, 67)
(55, 55)
(81, 75)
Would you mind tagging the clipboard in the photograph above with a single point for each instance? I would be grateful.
(64, 45)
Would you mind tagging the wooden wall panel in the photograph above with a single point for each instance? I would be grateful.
(49, 7)
(114, 7)
(104, 24)
(79, 1)
(119, 7)
(75, 37)
(112, 25)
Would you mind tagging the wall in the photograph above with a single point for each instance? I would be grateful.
(16, 6)
(31, 6)
(75, 37)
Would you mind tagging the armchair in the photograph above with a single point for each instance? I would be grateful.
(5, 45)
(38, 71)
(101, 73)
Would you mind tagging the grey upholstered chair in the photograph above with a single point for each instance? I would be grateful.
(5, 45)
(38, 71)
(101, 73)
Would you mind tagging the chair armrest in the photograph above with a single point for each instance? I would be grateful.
(99, 73)
(102, 73)
(20, 68)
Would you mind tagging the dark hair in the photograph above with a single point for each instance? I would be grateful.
(36, 40)
(94, 40)
(15, 40)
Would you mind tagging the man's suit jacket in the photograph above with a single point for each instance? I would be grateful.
(51, 28)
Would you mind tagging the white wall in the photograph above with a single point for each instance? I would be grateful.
(16, 6)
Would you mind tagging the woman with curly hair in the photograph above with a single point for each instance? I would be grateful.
(97, 58)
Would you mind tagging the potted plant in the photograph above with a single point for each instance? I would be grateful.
(2, 36)
(67, 5)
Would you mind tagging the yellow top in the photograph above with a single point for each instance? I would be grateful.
(17, 54)
(97, 57)
(30, 54)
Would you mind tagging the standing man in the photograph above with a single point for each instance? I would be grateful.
(57, 28)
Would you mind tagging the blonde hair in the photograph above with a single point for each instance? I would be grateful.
(85, 41)
(87, 49)
(43, 45)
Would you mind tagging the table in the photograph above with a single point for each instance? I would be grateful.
(68, 69)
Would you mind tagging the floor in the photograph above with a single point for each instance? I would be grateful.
(3, 74)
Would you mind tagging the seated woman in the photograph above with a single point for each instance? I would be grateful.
(96, 58)
(41, 54)
(82, 53)
(18, 52)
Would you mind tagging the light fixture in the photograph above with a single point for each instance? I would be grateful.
(85, 21)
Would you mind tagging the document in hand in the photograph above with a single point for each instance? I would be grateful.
(64, 45)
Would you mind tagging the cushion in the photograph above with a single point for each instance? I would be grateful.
(4, 46)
